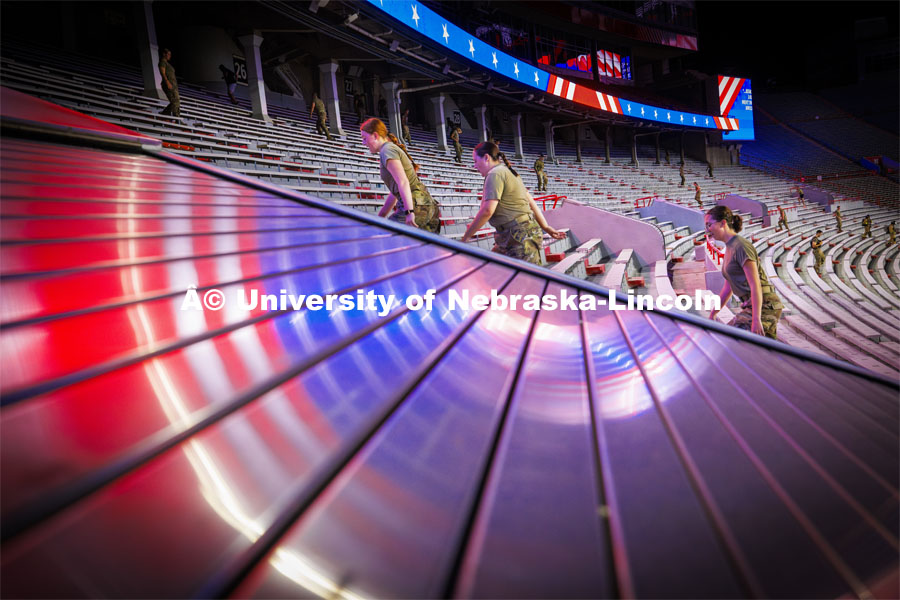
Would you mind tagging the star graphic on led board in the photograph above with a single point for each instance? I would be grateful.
(494, 54)
(642, 111)
(415, 16)
(516, 69)
(695, 120)
(669, 116)
(707, 120)
(629, 108)
(446, 35)
(471, 49)
(655, 114)
(682, 118)
(536, 80)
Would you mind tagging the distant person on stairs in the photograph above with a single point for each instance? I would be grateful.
(709, 169)
(838, 218)
(816, 245)
(409, 198)
(541, 176)
(404, 124)
(454, 137)
(697, 197)
(230, 82)
(782, 220)
(867, 227)
(744, 276)
(667, 156)
(892, 232)
(359, 105)
(509, 207)
(322, 119)
(681, 172)
(169, 84)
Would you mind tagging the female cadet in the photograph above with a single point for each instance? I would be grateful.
(744, 276)
(510, 208)
(416, 207)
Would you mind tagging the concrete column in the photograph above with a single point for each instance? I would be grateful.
(607, 143)
(657, 148)
(390, 89)
(517, 136)
(482, 122)
(579, 134)
(634, 159)
(548, 138)
(440, 122)
(257, 88)
(328, 92)
(148, 48)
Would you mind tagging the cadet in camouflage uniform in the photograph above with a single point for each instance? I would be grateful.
(782, 220)
(456, 145)
(892, 232)
(838, 218)
(509, 207)
(667, 156)
(169, 84)
(867, 227)
(709, 169)
(409, 199)
(404, 126)
(319, 107)
(541, 176)
(744, 276)
(681, 172)
(816, 245)
(697, 197)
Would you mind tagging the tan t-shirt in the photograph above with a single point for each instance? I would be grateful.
(391, 151)
(737, 251)
(169, 70)
(500, 184)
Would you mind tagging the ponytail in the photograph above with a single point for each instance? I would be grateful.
(376, 126)
(491, 149)
(506, 162)
(723, 213)
(394, 140)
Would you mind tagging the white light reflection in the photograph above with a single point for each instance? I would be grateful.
(214, 487)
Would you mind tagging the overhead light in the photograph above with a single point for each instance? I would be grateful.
(394, 45)
(351, 18)
(446, 69)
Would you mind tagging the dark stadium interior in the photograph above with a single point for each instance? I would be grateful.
(243, 246)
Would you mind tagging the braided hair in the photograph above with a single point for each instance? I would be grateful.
(376, 126)
(492, 150)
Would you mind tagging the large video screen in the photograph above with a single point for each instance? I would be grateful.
(736, 101)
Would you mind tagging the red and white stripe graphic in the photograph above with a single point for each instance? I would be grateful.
(609, 103)
(601, 61)
(726, 123)
(617, 67)
(729, 88)
(561, 87)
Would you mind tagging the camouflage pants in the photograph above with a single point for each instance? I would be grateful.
(524, 240)
(892, 239)
(406, 134)
(542, 181)
(820, 260)
(458, 148)
(426, 211)
(769, 315)
(321, 128)
(174, 107)
(782, 223)
(839, 223)
(867, 232)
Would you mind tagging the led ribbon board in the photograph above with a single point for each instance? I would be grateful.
(736, 101)
(428, 23)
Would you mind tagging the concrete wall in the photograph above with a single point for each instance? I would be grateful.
(818, 196)
(617, 232)
(679, 215)
(754, 207)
